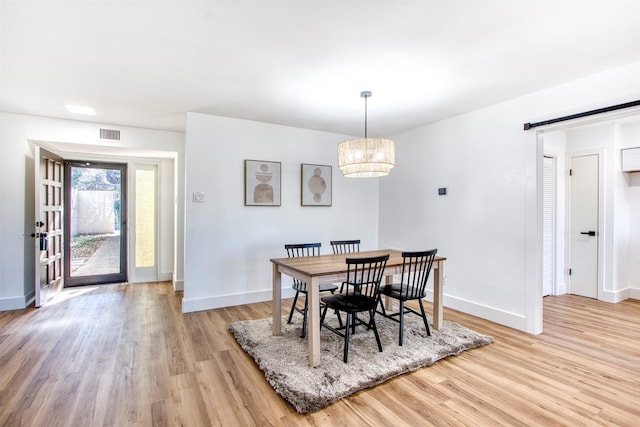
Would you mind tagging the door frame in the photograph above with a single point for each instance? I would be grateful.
(601, 229)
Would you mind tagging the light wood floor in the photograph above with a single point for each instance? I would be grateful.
(125, 354)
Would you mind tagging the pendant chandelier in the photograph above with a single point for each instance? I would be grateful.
(366, 157)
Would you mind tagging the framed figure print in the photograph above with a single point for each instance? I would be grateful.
(315, 185)
(262, 180)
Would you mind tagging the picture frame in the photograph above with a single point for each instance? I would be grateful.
(262, 183)
(315, 185)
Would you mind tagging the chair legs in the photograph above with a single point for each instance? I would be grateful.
(401, 334)
(373, 326)
(346, 337)
(352, 318)
(293, 306)
(303, 311)
(350, 322)
(424, 318)
(304, 316)
(400, 317)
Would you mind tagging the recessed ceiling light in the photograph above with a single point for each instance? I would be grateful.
(78, 109)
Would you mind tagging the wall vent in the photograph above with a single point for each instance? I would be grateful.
(110, 134)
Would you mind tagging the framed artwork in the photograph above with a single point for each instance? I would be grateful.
(315, 185)
(262, 183)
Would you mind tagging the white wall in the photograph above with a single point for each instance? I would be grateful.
(485, 224)
(489, 225)
(228, 245)
(16, 186)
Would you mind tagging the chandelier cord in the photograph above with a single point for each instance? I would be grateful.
(365, 115)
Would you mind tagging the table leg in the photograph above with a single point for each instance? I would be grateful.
(276, 301)
(388, 303)
(313, 321)
(438, 284)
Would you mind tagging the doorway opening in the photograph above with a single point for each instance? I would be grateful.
(95, 223)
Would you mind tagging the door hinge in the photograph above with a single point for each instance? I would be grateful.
(569, 272)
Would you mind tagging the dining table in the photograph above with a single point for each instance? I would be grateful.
(320, 269)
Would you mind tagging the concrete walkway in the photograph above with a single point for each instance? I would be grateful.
(105, 260)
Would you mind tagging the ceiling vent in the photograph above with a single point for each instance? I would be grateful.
(110, 134)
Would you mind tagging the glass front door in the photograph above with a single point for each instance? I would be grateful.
(95, 217)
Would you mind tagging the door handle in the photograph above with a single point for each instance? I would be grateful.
(589, 233)
(44, 240)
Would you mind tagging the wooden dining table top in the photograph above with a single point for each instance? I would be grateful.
(320, 265)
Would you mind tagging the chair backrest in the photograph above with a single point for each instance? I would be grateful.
(416, 267)
(302, 249)
(345, 246)
(364, 275)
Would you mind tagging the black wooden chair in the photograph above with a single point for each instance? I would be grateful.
(297, 250)
(345, 246)
(416, 267)
(361, 295)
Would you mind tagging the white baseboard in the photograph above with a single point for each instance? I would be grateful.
(209, 303)
(615, 296)
(620, 295)
(17, 303)
(499, 316)
(178, 285)
(502, 317)
(165, 277)
(512, 320)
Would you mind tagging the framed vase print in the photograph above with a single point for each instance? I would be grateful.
(315, 185)
(262, 182)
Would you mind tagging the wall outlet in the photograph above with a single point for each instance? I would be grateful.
(198, 197)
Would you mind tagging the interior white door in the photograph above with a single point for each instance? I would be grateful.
(583, 277)
(48, 235)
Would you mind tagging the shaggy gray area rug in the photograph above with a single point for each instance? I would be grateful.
(284, 358)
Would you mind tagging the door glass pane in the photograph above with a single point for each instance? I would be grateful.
(95, 221)
(145, 217)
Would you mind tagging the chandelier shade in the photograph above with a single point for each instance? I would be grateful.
(366, 157)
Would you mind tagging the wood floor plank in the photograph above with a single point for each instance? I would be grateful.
(117, 355)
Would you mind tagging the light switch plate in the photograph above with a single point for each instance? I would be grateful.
(198, 197)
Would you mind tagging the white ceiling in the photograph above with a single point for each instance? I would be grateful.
(301, 63)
